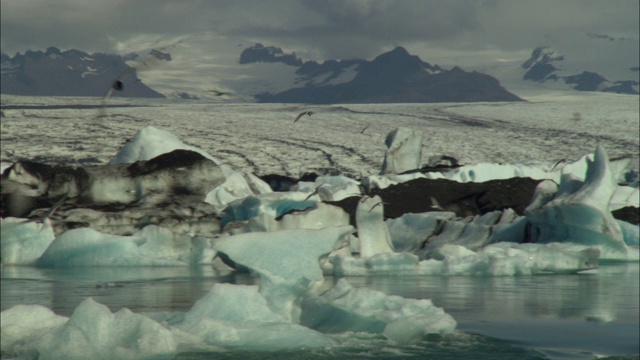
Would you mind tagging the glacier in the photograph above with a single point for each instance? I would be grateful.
(292, 240)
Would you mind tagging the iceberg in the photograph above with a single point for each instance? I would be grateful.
(287, 261)
(151, 246)
(404, 151)
(578, 212)
(22, 242)
(344, 308)
(93, 332)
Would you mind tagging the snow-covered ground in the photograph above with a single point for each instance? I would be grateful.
(262, 138)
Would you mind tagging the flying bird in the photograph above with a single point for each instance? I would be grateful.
(315, 192)
(219, 93)
(558, 163)
(309, 113)
(378, 203)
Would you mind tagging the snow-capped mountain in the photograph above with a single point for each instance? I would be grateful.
(260, 73)
(75, 73)
(394, 76)
(547, 65)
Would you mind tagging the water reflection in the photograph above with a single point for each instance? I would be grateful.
(142, 289)
(596, 312)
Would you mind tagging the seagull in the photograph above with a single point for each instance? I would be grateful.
(315, 192)
(435, 205)
(558, 163)
(219, 93)
(378, 203)
(309, 113)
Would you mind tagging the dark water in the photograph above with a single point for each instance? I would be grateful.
(578, 316)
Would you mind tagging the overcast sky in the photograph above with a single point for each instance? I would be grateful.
(322, 29)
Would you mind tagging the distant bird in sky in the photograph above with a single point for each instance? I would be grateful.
(219, 93)
(309, 113)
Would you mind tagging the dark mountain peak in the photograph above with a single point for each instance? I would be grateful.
(52, 50)
(261, 53)
(542, 55)
(70, 73)
(397, 52)
(397, 56)
(392, 77)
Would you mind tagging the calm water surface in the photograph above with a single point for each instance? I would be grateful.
(579, 316)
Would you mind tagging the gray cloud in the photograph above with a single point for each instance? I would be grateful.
(328, 28)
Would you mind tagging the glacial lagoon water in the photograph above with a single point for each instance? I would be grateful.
(573, 316)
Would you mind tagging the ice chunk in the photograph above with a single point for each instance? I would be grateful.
(239, 316)
(318, 216)
(273, 204)
(344, 308)
(401, 263)
(630, 233)
(372, 230)
(509, 259)
(491, 171)
(330, 188)
(236, 186)
(151, 142)
(93, 332)
(23, 324)
(410, 231)
(404, 151)
(287, 261)
(23, 242)
(625, 196)
(152, 245)
(579, 212)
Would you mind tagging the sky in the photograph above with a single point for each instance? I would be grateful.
(327, 29)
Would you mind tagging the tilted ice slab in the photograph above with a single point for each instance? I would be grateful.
(22, 242)
(151, 142)
(373, 233)
(404, 151)
(287, 261)
(151, 246)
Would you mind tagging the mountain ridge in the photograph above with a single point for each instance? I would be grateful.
(70, 73)
(392, 77)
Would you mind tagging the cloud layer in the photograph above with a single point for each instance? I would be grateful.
(321, 29)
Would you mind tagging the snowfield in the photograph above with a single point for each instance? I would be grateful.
(262, 138)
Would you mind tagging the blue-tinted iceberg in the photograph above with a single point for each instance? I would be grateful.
(92, 332)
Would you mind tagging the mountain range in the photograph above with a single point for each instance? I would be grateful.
(392, 77)
(258, 73)
(71, 73)
(547, 65)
